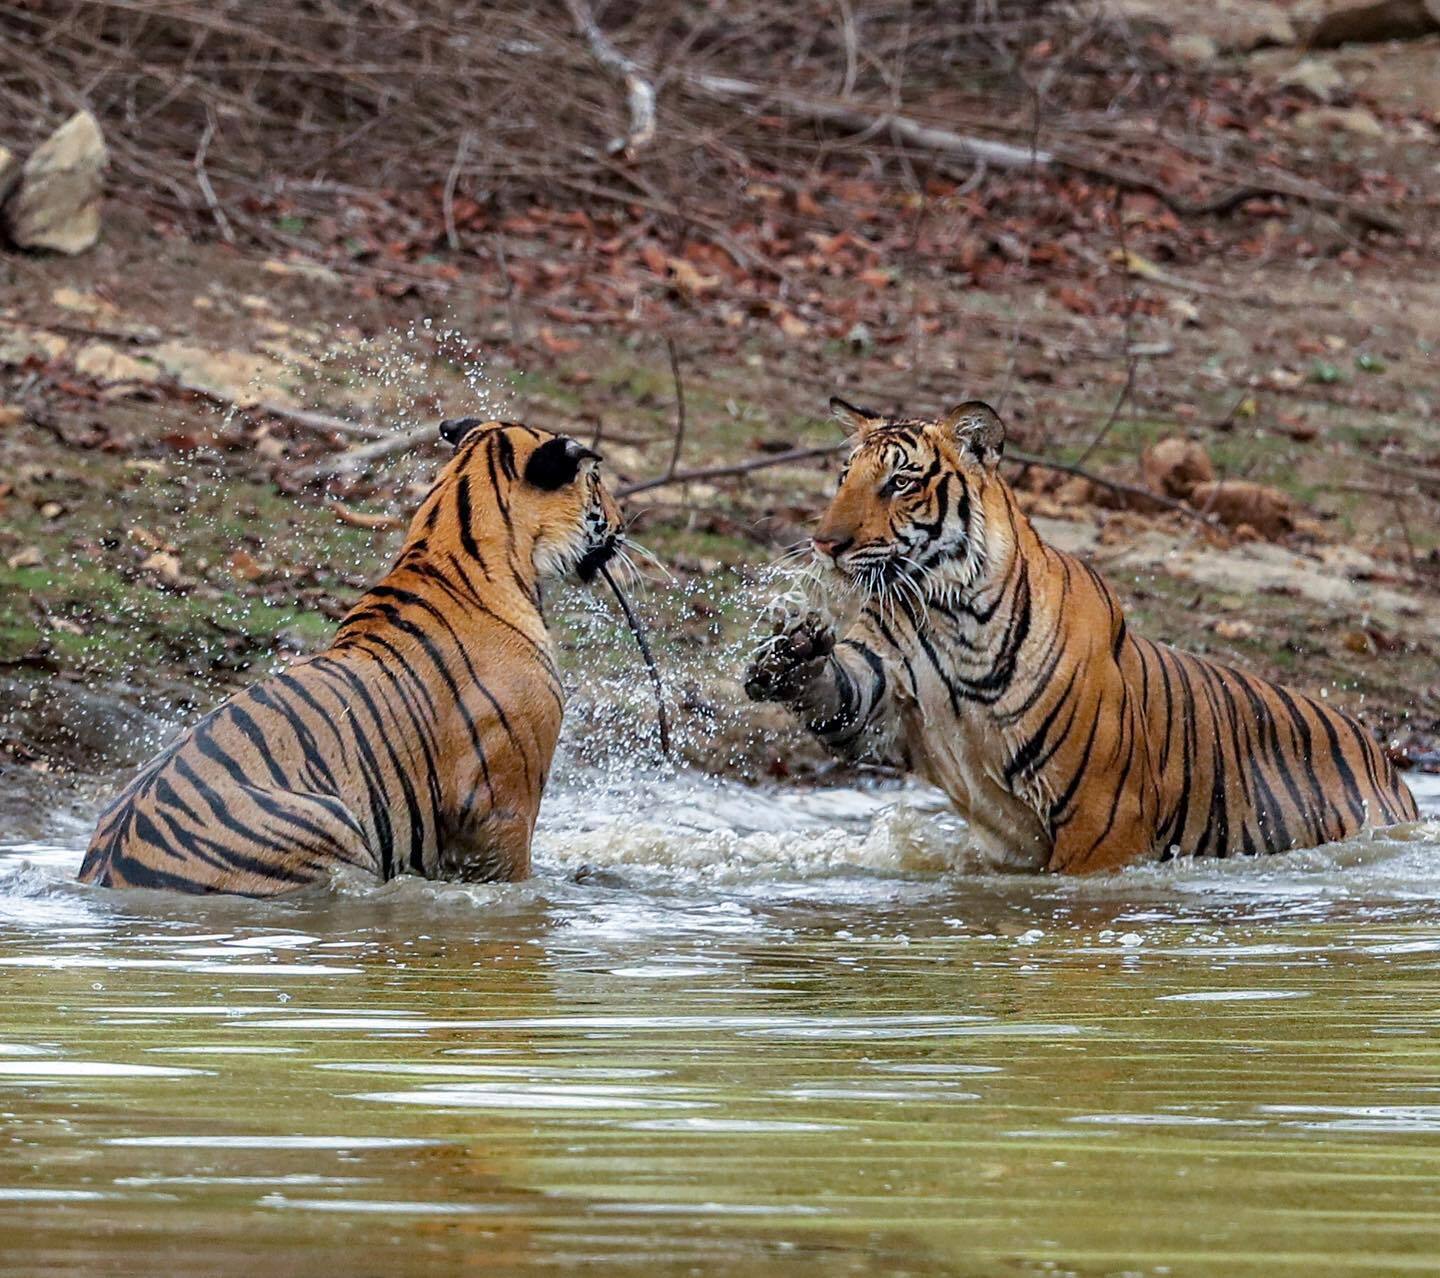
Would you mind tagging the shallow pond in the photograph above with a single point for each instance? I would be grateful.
(732, 1032)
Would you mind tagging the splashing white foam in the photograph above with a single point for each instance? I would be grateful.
(900, 840)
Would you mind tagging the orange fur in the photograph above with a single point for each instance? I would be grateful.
(419, 742)
(1002, 670)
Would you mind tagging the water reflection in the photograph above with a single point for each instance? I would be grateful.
(758, 1034)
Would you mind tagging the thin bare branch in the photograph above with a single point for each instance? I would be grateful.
(1002, 155)
(1132, 361)
(679, 405)
(202, 180)
(640, 93)
(352, 459)
(452, 178)
(793, 455)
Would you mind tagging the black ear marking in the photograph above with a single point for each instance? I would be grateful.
(455, 430)
(977, 427)
(556, 463)
(857, 420)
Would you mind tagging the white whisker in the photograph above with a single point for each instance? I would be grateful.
(631, 544)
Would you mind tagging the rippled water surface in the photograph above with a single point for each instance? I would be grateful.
(727, 1032)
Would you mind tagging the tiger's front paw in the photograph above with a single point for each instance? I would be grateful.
(786, 663)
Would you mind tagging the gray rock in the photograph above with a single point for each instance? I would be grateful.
(1316, 76)
(1194, 50)
(1339, 120)
(57, 202)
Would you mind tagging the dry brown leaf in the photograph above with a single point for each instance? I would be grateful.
(557, 345)
(144, 537)
(791, 324)
(689, 280)
(244, 566)
(806, 205)
(166, 568)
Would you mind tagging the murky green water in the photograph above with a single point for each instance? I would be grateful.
(759, 1036)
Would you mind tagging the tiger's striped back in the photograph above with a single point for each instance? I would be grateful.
(1252, 766)
(419, 742)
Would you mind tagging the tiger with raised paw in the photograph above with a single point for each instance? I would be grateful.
(1001, 670)
(419, 742)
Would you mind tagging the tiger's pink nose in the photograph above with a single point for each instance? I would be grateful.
(830, 546)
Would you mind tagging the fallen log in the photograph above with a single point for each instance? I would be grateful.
(1002, 155)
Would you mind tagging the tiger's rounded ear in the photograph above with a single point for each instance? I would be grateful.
(859, 421)
(455, 430)
(556, 462)
(977, 426)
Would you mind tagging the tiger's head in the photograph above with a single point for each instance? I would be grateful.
(917, 501)
(532, 490)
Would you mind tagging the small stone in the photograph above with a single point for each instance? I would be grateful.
(72, 299)
(1193, 50)
(1184, 311)
(19, 345)
(1316, 77)
(165, 568)
(1234, 629)
(30, 557)
(106, 364)
(1284, 378)
(1270, 26)
(57, 202)
(1339, 120)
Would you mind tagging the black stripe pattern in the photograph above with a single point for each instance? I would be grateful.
(1001, 669)
(418, 743)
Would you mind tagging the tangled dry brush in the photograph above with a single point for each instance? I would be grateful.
(211, 109)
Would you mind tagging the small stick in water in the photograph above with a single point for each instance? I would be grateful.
(638, 631)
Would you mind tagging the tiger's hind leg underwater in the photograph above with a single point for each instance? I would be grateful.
(420, 741)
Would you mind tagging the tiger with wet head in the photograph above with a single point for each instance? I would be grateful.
(419, 742)
(1001, 670)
